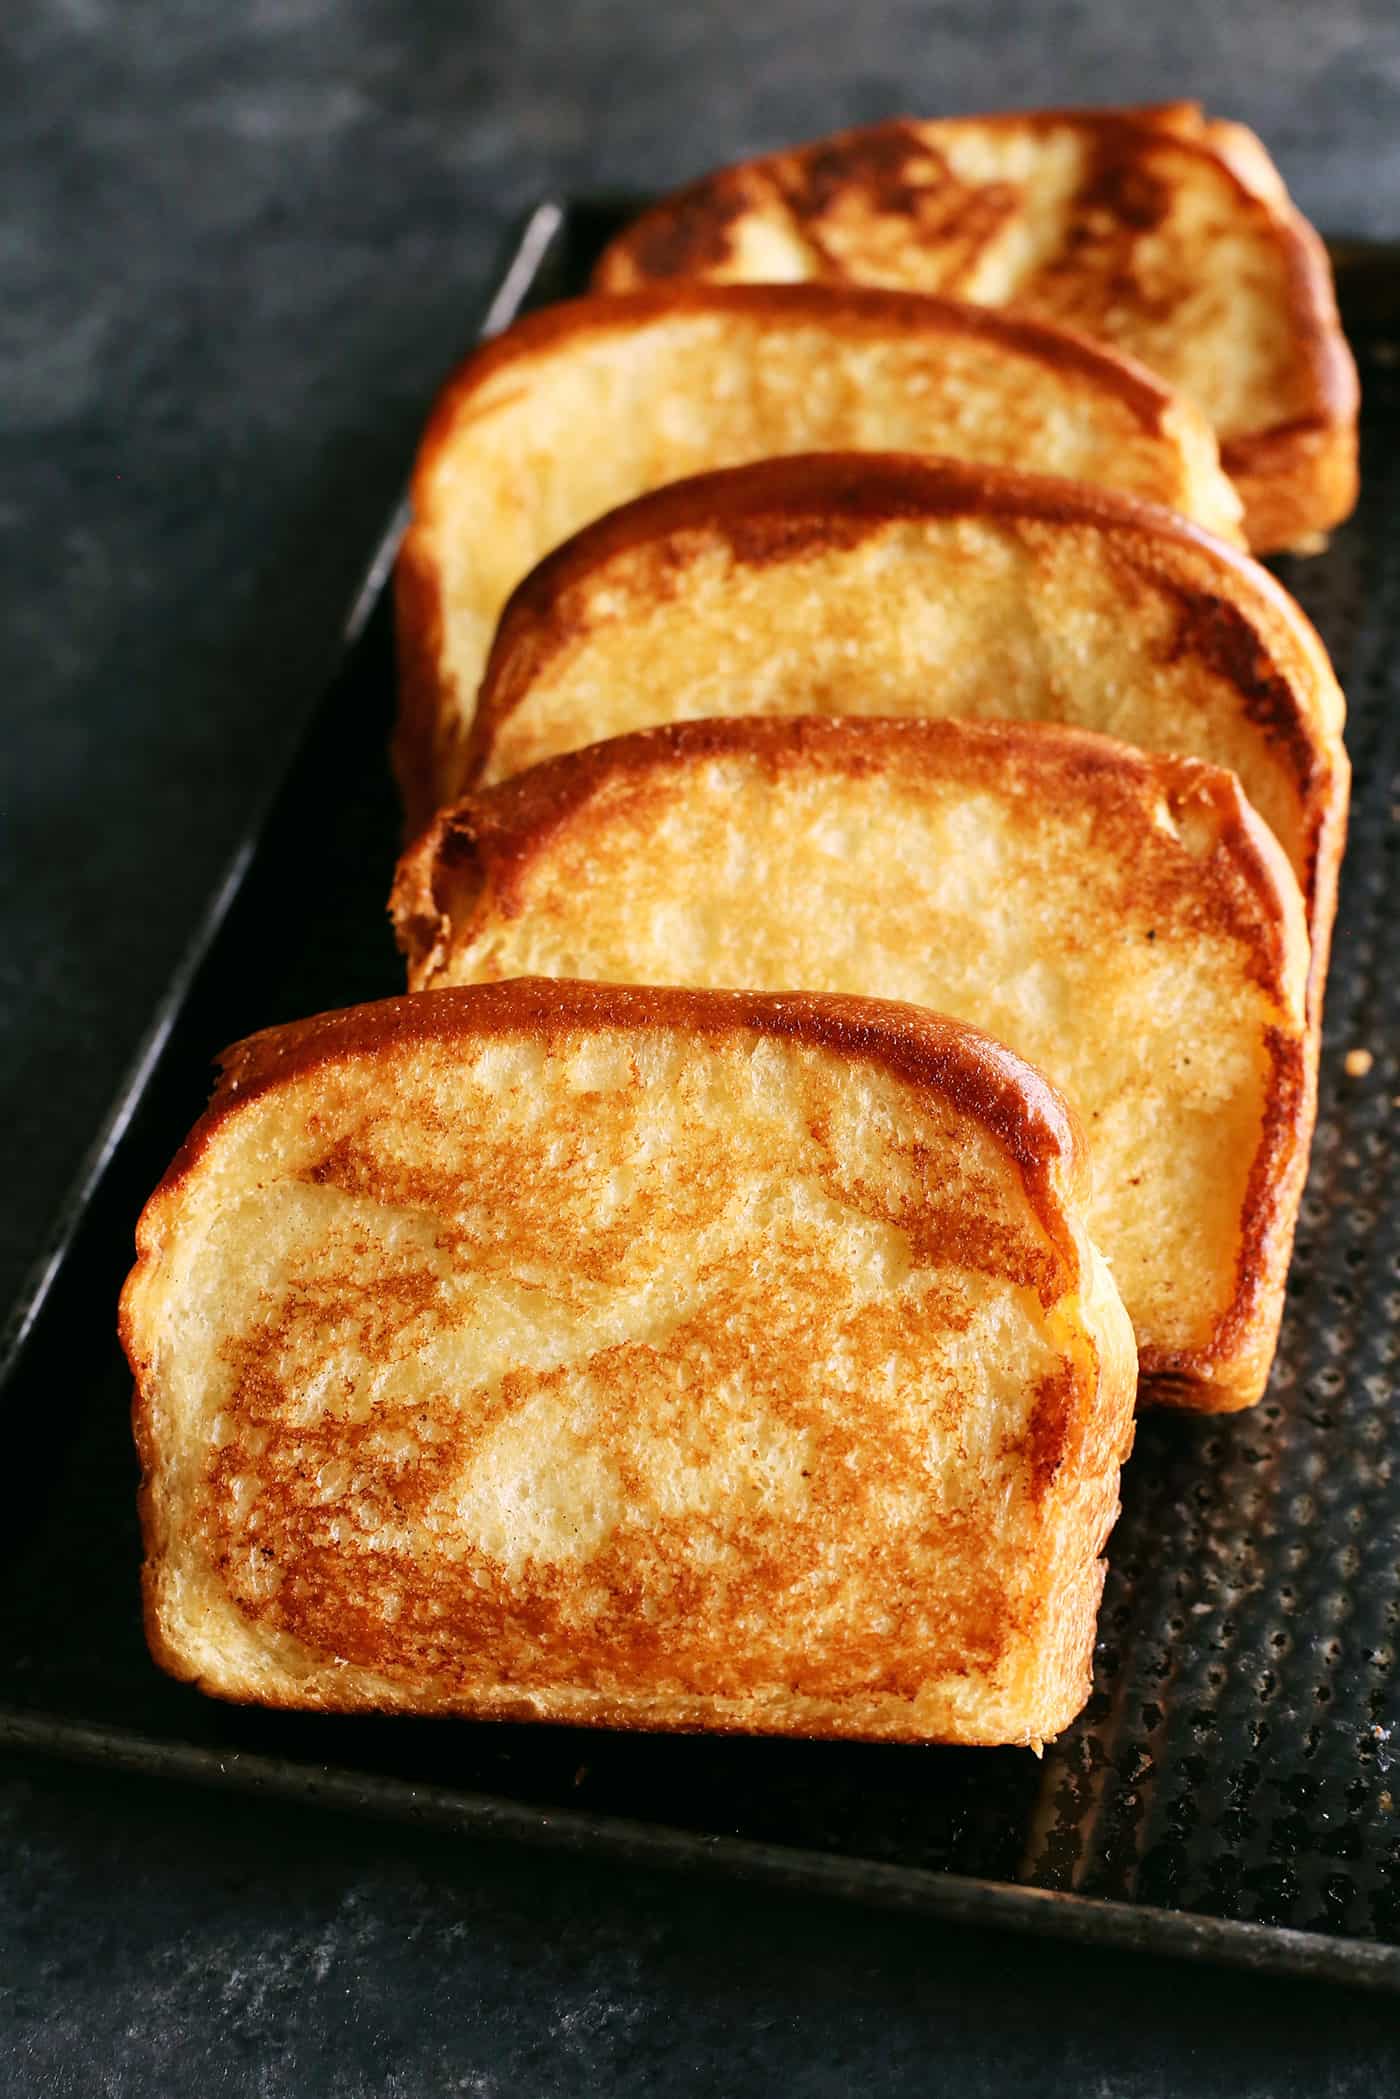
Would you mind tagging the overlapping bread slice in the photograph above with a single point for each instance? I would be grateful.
(897, 586)
(1126, 922)
(632, 1358)
(1171, 237)
(583, 406)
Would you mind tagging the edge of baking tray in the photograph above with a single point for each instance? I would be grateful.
(912, 1890)
(1370, 269)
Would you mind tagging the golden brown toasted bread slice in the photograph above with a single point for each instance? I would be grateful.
(1170, 237)
(1125, 922)
(583, 406)
(897, 586)
(632, 1358)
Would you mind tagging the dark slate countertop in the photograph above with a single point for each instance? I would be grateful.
(239, 246)
(163, 1946)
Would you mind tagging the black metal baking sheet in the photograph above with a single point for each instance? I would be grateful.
(1228, 1792)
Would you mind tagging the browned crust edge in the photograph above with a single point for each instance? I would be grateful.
(496, 832)
(865, 489)
(1296, 477)
(424, 691)
(876, 488)
(612, 1714)
(977, 1075)
(500, 829)
(808, 498)
(1299, 478)
(853, 309)
(1296, 482)
(1192, 1378)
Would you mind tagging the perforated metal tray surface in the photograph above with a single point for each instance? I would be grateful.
(1228, 1792)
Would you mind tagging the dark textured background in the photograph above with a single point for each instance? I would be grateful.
(237, 245)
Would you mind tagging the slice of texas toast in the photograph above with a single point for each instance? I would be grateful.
(1125, 922)
(897, 586)
(634, 1358)
(583, 406)
(1168, 236)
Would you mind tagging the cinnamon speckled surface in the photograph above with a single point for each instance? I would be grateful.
(238, 246)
